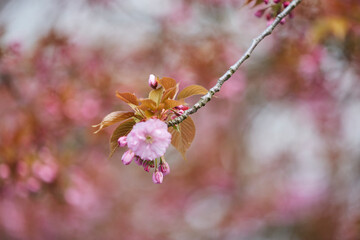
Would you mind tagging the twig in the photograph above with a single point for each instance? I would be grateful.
(207, 97)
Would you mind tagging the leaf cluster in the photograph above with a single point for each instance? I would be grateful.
(162, 103)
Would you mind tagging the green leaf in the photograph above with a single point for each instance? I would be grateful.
(113, 118)
(156, 95)
(191, 91)
(122, 130)
(129, 98)
(183, 138)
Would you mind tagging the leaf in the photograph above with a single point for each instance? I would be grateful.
(169, 93)
(129, 98)
(169, 103)
(183, 138)
(167, 82)
(112, 118)
(156, 95)
(147, 104)
(191, 91)
(122, 130)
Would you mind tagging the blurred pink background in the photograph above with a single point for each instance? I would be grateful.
(276, 154)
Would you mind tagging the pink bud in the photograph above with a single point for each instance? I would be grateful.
(269, 16)
(122, 141)
(259, 13)
(182, 107)
(147, 168)
(276, 1)
(127, 157)
(164, 168)
(157, 177)
(282, 21)
(152, 81)
(138, 160)
(180, 112)
(285, 4)
(266, 1)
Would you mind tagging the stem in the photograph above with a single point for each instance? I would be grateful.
(207, 97)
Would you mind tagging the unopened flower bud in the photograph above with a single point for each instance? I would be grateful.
(127, 157)
(138, 160)
(180, 112)
(157, 177)
(147, 168)
(122, 141)
(276, 1)
(286, 3)
(282, 21)
(182, 107)
(259, 13)
(152, 81)
(266, 1)
(269, 16)
(164, 168)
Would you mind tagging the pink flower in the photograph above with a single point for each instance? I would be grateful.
(122, 141)
(164, 168)
(150, 139)
(127, 157)
(152, 81)
(157, 177)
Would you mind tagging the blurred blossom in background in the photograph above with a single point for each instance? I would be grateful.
(276, 154)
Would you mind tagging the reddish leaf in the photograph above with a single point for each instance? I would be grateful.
(169, 103)
(183, 138)
(147, 104)
(169, 94)
(122, 130)
(191, 91)
(112, 118)
(129, 98)
(167, 82)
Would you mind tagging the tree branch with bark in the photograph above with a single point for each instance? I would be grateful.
(227, 75)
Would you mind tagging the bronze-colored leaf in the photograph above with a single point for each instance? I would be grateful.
(169, 94)
(122, 130)
(169, 103)
(129, 98)
(183, 138)
(167, 82)
(113, 118)
(156, 95)
(191, 91)
(147, 104)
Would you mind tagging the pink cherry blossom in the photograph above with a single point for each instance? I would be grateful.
(150, 139)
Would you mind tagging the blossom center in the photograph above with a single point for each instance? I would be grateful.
(149, 139)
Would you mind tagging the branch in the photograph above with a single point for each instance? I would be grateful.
(207, 97)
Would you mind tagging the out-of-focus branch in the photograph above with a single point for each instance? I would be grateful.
(207, 97)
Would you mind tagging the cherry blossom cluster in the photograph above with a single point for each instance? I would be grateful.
(145, 131)
(272, 10)
(147, 143)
